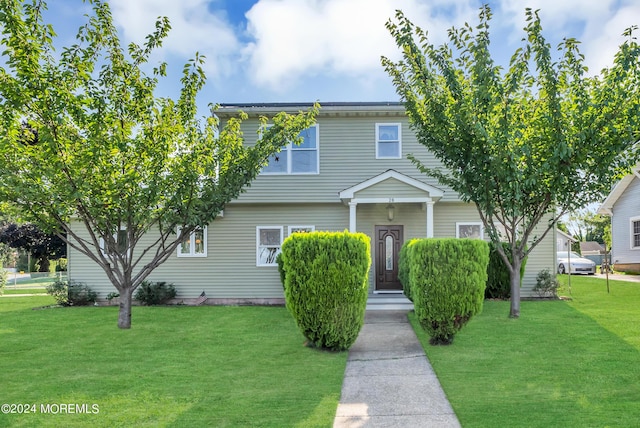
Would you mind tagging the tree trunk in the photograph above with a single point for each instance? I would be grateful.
(515, 289)
(43, 264)
(124, 315)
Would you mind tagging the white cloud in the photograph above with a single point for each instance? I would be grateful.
(296, 38)
(606, 37)
(597, 24)
(193, 28)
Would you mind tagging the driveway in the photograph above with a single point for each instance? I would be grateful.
(619, 277)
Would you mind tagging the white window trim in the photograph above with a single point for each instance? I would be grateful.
(289, 148)
(313, 228)
(631, 220)
(399, 125)
(470, 223)
(258, 228)
(103, 250)
(192, 252)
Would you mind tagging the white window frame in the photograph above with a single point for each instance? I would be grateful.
(192, 247)
(631, 240)
(470, 223)
(378, 156)
(290, 148)
(259, 247)
(290, 228)
(115, 237)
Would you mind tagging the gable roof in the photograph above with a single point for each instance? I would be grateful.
(591, 247)
(433, 192)
(566, 235)
(607, 206)
(384, 108)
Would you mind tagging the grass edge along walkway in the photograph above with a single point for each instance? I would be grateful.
(555, 366)
(177, 366)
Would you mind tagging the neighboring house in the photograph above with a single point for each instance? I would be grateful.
(592, 250)
(564, 240)
(351, 172)
(623, 205)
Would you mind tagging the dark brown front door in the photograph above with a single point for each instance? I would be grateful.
(388, 243)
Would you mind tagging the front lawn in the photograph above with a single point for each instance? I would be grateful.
(177, 366)
(28, 290)
(563, 363)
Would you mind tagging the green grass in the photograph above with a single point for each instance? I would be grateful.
(563, 363)
(176, 367)
(29, 290)
(44, 281)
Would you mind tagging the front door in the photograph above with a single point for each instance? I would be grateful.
(388, 243)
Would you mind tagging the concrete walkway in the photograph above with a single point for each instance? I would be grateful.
(388, 380)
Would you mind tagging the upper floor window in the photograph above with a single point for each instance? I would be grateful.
(194, 244)
(635, 232)
(300, 158)
(388, 141)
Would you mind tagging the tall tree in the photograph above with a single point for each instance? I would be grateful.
(587, 225)
(88, 142)
(28, 237)
(525, 145)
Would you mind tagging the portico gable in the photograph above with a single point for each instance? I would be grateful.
(391, 187)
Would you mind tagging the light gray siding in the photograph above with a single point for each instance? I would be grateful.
(391, 188)
(626, 207)
(347, 153)
(542, 257)
(347, 157)
(229, 271)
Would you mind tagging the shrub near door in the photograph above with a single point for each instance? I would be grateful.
(447, 280)
(326, 285)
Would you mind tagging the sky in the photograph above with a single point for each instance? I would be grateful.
(329, 50)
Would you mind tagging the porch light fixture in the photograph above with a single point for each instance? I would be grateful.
(390, 211)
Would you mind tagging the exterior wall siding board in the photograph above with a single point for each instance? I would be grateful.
(542, 257)
(626, 207)
(390, 188)
(229, 270)
(347, 157)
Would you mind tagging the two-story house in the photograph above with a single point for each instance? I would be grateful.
(350, 172)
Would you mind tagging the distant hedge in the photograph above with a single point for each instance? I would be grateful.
(326, 285)
(446, 281)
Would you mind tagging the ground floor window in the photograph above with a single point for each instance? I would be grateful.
(268, 243)
(194, 244)
(469, 230)
(301, 229)
(635, 232)
(120, 242)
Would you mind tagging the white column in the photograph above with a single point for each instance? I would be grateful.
(352, 216)
(429, 219)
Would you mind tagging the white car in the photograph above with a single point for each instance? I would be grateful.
(578, 264)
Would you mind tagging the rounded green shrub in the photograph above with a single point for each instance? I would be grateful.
(326, 285)
(404, 268)
(155, 293)
(72, 293)
(448, 278)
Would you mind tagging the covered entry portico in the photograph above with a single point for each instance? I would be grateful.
(390, 207)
